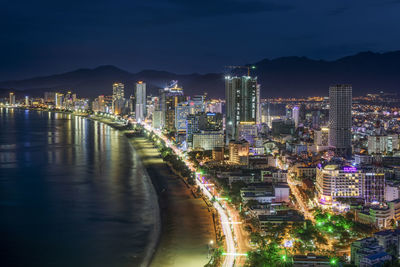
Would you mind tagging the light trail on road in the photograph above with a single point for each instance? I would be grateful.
(230, 243)
(230, 253)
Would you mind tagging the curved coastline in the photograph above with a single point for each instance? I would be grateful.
(154, 217)
(183, 224)
(187, 223)
(156, 234)
(157, 187)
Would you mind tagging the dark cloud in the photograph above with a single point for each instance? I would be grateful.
(41, 37)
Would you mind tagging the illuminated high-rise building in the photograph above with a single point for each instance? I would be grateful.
(12, 99)
(206, 122)
(182, 111)
(296, 115)
(242, 103)
(340, 99)
(152, 106)
(335, 182)
(118, 91)
(59, 100)
(170, 97)
(118, 98)
(102, 103)
(141, 101)
(27, 101)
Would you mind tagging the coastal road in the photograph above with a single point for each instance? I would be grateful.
(241, 236)
(225, 222)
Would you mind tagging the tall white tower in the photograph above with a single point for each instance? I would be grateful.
(140, 95)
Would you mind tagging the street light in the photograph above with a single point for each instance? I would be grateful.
(284, 258)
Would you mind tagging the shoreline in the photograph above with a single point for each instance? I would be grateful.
(153, 246)
(157, 186)
(188, 225)
(186, 222)
(152, 240)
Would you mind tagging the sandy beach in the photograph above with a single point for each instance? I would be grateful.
(187, 224)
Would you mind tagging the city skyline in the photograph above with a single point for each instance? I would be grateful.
(215, 133)
(286, 163)
(367, 72)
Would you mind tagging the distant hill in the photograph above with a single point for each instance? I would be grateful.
(301, 76)
(94, 82)
(285, 76)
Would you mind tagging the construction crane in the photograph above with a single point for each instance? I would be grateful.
(242, 67)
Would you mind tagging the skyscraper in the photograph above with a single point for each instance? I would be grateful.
(118, 98)
(340, 97)
(242, 103)
(59, 100)
(12, 99)
(140, 94)
(170, 97)
(296, 115)
(102, 103)
(182, 110)
(192, 126)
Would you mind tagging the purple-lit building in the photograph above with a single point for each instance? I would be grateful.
(336, 182)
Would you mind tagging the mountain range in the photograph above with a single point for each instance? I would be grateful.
(368, 72)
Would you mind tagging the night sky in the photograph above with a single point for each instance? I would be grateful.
(47, 37)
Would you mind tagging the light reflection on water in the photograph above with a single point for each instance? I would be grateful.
(71, 193)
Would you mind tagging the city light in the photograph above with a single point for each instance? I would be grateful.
(299, 176)
(234, 254)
